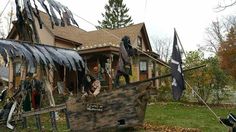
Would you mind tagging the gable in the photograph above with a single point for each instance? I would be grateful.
(45, 36)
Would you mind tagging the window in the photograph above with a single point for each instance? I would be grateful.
(143, 66)
(139, 42)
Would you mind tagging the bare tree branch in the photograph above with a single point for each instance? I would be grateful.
(162, 47)
(216, 33)
(220, 7)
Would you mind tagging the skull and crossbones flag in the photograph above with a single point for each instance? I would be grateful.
(176, 71)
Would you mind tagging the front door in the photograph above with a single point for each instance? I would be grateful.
(143, 70)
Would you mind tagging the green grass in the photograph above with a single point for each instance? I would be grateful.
(168, 114)
(187, 116)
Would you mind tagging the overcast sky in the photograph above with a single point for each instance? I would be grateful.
(189, 17)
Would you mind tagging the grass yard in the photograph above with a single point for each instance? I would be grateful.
(187, 116)
(167, 114)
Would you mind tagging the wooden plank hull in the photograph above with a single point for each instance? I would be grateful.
(122, 107)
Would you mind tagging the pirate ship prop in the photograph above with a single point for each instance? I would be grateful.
(121, 107)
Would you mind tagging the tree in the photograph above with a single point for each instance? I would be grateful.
(163, 47)
(196, 78)
(227, 53)
(209, 82)
(216, 34)
(115, 16)
(214, 37)
(219, 80)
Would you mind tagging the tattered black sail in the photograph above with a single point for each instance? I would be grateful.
(28, 13)
(41, 54)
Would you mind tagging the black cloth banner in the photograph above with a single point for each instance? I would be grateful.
(176, 70)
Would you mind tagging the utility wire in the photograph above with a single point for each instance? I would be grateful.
(95, 26)
(145, 10)
(5, 8)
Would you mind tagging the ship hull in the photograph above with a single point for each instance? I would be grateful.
(119, 108)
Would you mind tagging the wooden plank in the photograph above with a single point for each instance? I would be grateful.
(44, 110)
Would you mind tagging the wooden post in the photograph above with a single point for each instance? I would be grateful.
(77, 83)
(98, 66)
(53, 120)
(38, 122)
(49, 88)
(37, 117)
(49, 85)
(39, 73)
(10, 78)
(64, 78)
(67, 118)
(24, 122)
(157, 82)
(111, 74)
(23, 71)
(22, 78)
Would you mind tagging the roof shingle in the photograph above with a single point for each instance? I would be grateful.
(95, 37)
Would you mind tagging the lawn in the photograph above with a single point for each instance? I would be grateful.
(168, 114)
(187, 116)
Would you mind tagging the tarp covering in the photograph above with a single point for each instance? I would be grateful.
(45, 55)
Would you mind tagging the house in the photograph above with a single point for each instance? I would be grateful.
(100, 50)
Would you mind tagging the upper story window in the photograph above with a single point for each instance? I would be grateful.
(139, 42)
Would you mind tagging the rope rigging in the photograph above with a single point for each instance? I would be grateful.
(217, 117)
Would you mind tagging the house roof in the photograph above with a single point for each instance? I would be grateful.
(95, 37)
(68, 32)
(110, 36)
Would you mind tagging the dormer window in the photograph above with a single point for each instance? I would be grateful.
(139, 42)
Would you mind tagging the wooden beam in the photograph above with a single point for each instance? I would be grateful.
(44, 110)
(159, 77)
